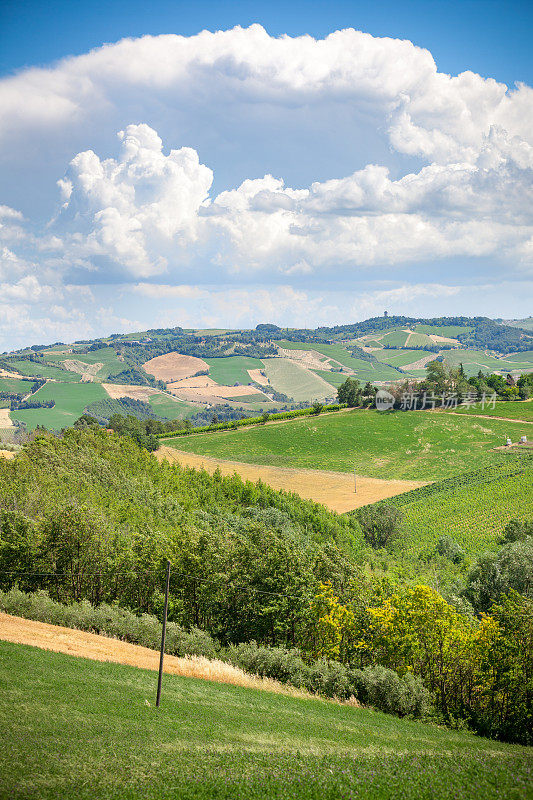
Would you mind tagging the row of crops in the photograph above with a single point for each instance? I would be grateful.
(473, 508)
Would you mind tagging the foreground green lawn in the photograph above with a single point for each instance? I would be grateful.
(76, 729)
(413, 445)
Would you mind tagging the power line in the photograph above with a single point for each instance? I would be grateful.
(69, 576)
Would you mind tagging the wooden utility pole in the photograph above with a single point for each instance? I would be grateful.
(163, 634)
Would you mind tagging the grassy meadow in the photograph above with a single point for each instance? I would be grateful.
(77, 729)
(228, 371)
(413, 445)
(70, 401)
(32, 368)
(15, 385)
(295, 381)
(520, 410)
(106, 356)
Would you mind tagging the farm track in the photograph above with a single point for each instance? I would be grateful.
(335, 490)
(82, 644)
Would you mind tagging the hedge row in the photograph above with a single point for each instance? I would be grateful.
(375, 686)
(237, 423)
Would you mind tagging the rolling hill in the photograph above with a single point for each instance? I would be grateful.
(91, 729)
(252, 370)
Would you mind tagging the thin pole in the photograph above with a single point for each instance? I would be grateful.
(163, 634)
(355, 480)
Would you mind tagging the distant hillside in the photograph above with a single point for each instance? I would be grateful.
(198, 374)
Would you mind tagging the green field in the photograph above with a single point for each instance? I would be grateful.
(165, 406)
(106, 356)
(399, 358)
(77, 729)
(295, 381)
(334, 378)
(524, 358)
(450, 331)
(473, 509)
(364, 370)
(32, 368)
(15, 386)
(70, 399)
(394, 338)
(520, 410)
(475, 360)
(232, 370)
(413, 445)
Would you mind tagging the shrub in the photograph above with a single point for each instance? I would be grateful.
(449, 549)
(109, 620)
(380, 523)
(385, 690)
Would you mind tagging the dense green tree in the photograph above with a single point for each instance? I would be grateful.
(380, 523)
(349, 392)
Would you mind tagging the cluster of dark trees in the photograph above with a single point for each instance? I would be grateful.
(446, 384)
(353, 395)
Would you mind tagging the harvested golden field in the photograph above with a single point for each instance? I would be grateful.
(335, 490)
(257, 376)
(199, 381)
(118, 390)
(174, 366)
(100, 648)
(5, 419)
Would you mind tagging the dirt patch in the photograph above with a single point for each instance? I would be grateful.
(4, 373)
(213, 393)
(87, 371)
(421, 363)
(310, 359)
(100, 648)
(435, 338)
(7, 454)
(174, 366)
(257, 376)
(335, 490)
(5, 419)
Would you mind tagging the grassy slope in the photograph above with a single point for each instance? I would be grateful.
(295, 381)
(413, 445)
(450, 331)
(475, 360)
(519, 410)
(228, 371)
(398, 358)
(105, 355)
(78, 729)
(70, 398)
(15, 385)
(473, 512)
(365, 370)
(526, 357)
(31, 368)
(165, 406)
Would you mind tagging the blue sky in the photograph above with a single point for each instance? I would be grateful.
(307, 164)
(489, 37)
